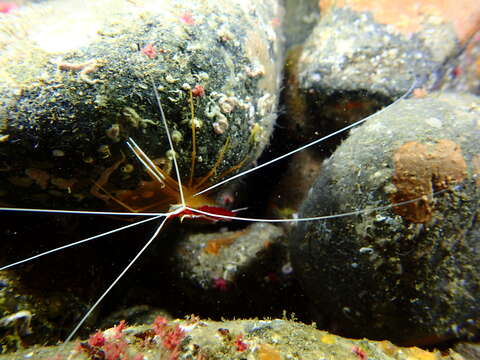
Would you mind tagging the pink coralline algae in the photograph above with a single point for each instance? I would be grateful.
(109, 345)
(187, 18)
(6, 7)
(221, 284)
(149, 51)
(119, 328)
(113, 344)
(198, 91)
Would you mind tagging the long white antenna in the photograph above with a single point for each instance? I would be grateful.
(78, 242)
(177, 171)
(150, 166)
(94, 306)
(313, 218)
(83, 212)
(258, 167)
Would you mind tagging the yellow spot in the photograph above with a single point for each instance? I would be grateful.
(131, 116)
(177, 136)
(328, 339)
(415, 353)
(128, 168)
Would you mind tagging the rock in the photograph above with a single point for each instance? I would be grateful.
(76, 82)
(29, 315)
(365, 54)
(409, 273)
(300, 18)
(73, 93)
(469, 351)
(238, 339)
(243, 270)
(464, 74)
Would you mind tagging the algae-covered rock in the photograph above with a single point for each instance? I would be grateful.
(242, 270)
(300, 18)
(408, 273)
(77, 80)
(464, 76)
(364, 54)
(239, 339)
(29, 315)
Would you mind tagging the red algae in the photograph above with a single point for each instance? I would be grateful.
(97, 339)
(171, 337)
(240, 345)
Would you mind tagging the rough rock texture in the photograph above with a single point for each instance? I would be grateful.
(364, 54)
(464, 75)
(240, 339)
(76, 82)
(300, 18)
(468, 350)
(73, 92)
(243, 269)
(25, 308)
(409, 273)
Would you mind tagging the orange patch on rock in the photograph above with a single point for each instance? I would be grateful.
(268, 352)
(419, 170)
(408, 16)
(420, 93)
(214, 246)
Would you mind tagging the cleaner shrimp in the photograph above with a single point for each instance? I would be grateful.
(183, 199)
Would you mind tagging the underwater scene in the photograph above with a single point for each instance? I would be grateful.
(239, 179)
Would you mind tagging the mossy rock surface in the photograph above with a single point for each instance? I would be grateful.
(409, 273)
(73, 93)
(76, 81)
(237, 339)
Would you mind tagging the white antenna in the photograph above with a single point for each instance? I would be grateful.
(258, 167)
(315, 218)
(79, 242)
(177, 171)
(145, 160)
(82, 212)
(94, 306)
